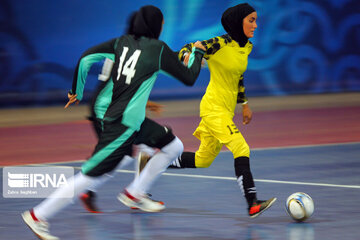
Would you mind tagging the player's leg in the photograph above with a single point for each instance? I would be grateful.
(151, 136)
(157, 136)
(97, 110)
(113, 144)
(208, 150)
(185, 160)
(98, 107)
(142, 154)
(241, 151)
(141, 185)
(88, 198)
(36, 218)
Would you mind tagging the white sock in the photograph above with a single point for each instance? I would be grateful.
(99, 181)
(154, 168)
(56, 201)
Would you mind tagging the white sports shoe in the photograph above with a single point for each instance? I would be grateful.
(144, 203)
(39, 227)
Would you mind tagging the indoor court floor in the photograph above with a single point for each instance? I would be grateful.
(315, 150)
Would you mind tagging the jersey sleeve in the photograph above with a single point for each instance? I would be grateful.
(241, 97)
(170, 64)
(88, 58)
(211, 45)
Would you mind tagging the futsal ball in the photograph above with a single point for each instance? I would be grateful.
(299, 206)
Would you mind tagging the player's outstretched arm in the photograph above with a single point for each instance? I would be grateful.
(211, 46)
(88, 58)
(170, 64)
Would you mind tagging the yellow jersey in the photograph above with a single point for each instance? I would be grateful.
(227, 62)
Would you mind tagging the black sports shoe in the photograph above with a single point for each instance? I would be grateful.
(259, 207)
(88, 201)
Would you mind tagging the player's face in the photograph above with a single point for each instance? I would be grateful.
(249, 24)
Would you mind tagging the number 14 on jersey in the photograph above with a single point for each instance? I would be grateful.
(128, 69)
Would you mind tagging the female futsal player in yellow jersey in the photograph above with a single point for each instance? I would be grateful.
(227, 58)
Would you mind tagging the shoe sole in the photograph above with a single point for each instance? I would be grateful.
(270, 204)
(134, 208)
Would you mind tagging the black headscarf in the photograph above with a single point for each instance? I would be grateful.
(130, 22)
(232, 21)
(146, 22)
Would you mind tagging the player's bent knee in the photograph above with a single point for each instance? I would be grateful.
(175, 147)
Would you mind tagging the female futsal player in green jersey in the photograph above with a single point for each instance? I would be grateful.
(138, 58)
(227, 58)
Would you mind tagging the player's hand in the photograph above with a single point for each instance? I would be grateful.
(187, 55)
(186, 59)
(72, 98)
(155, 107)
(247, 114)
(199, 45)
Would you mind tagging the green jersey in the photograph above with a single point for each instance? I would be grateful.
(137, 62)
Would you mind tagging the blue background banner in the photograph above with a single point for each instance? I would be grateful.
(300, 47)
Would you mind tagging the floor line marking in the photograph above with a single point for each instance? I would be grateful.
(256, 180)
(264, 180)
(306, 146)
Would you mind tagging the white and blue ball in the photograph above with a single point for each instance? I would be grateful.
(299, 206)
